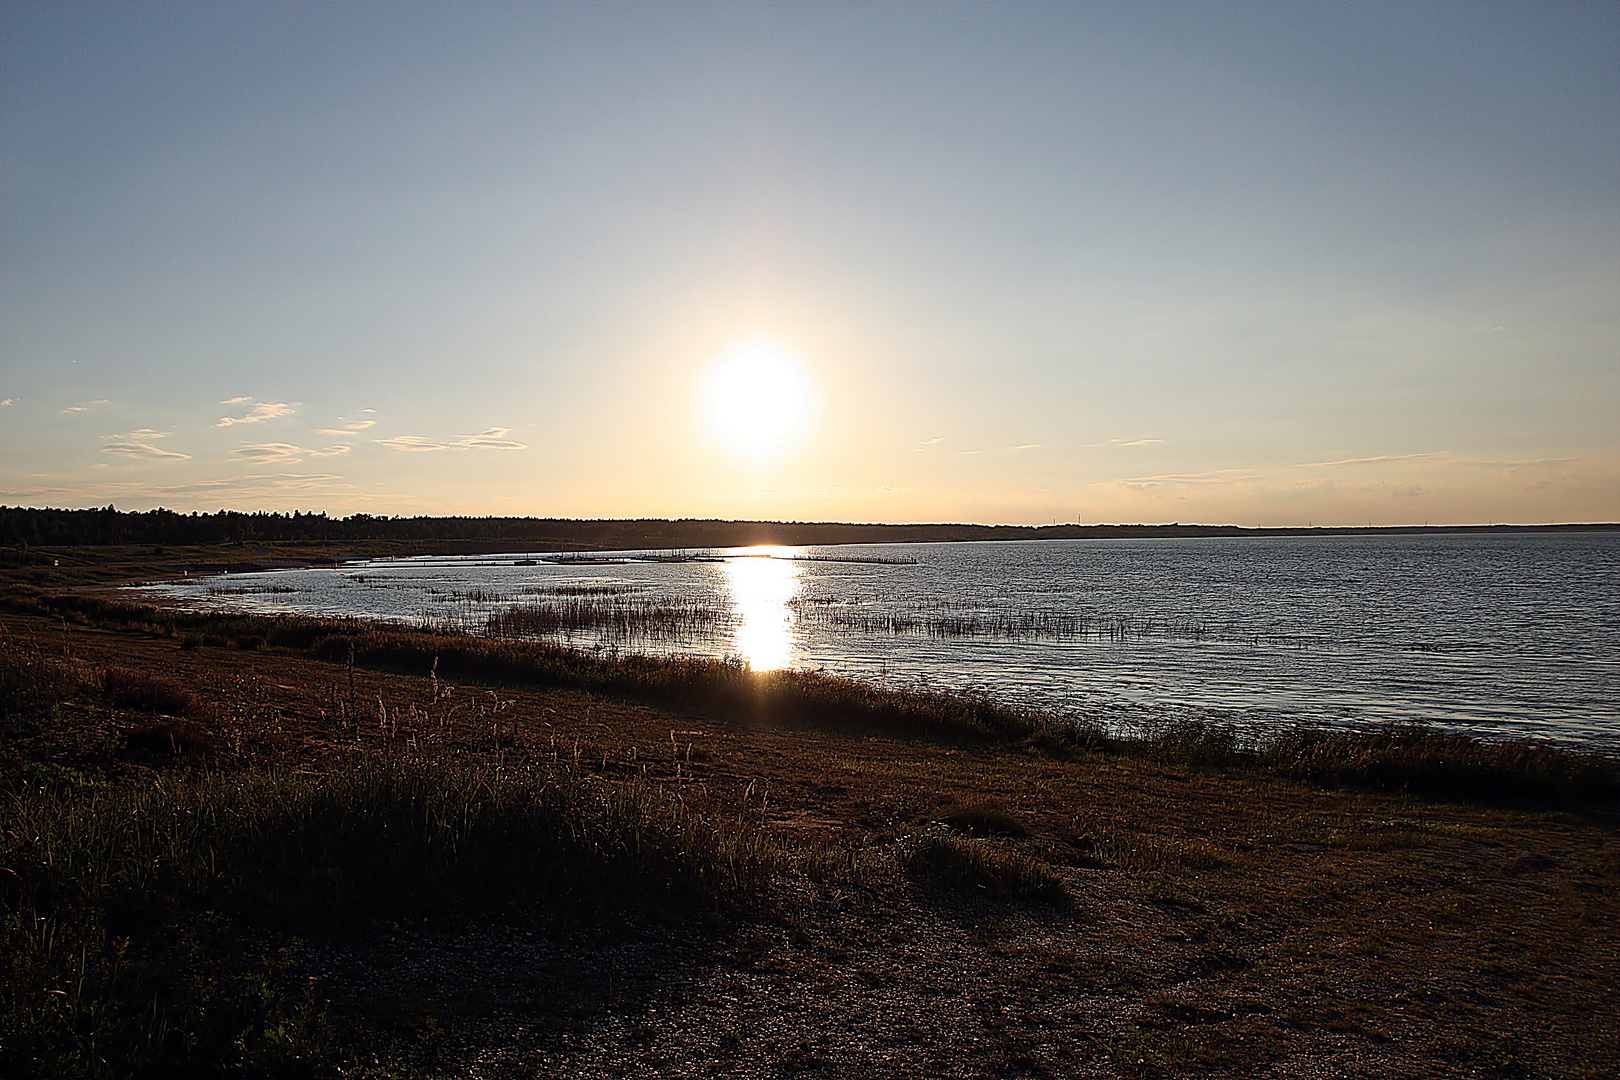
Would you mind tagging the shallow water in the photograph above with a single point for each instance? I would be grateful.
(1501, 635)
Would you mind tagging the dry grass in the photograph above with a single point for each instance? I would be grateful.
(974, 864)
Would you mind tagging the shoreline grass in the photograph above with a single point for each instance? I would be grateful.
(1408, 758)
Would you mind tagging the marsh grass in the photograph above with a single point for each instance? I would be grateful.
(983, 820)
(370, 838)
(34, 681)
(972, 619)
(1413, 758)
(84, 870)
(786, 697)
(611, 615)
(1408, 758)
(940, 858)
(140, 690)
(585, 588)
(1143, 854)
(841, 863)
(250, 590)
(75, 1005)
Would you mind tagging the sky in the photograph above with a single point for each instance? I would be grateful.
(1253, 264)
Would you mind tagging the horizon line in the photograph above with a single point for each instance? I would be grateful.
(1308, 527)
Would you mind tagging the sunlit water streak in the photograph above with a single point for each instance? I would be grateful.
(1499, 635)
(761, 586)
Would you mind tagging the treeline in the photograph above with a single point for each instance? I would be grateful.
(28, 527)
(25, 527)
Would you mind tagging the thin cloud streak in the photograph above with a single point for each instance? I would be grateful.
(1380, 460)
(348, 429)
(1219, 476)
(411, 444)
(264, 410)
(141, 450)
(1120, 442)
(276, 453)
(494, 438)
(1528, 463)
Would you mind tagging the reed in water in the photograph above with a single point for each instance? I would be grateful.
(613, 616)
(947, 619)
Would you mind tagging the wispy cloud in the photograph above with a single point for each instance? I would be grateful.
(37, 492)
(8, 401)
(256, 481)
(928, 442)
(144, 435)
(411, 444)
(217, 491)
(140, 450)
(1380, 460)
(86, 407)
(1027, 446)
(237, 400)
(278, 453)
(264, 410)
(1149, 483)
(1527, 463)
(494, 438)
(1121, 442)
(349, 427)
(265, 486)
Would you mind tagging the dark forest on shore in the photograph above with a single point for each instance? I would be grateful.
(24, 527)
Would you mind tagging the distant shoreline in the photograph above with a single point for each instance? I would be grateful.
(25, 529)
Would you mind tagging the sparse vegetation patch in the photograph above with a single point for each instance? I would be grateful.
(961, 863)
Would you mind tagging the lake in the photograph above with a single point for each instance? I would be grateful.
(1496, 635)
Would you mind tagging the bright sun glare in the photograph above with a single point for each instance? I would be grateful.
(756, 400)
(762, 582)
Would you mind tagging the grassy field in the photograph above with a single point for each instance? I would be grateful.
(246, 847)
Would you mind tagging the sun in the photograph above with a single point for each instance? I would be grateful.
(756, 400)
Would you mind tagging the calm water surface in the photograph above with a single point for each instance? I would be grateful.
(1497, 635)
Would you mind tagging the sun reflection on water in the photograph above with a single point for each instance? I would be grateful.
(761, 586)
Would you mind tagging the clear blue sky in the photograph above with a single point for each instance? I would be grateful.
(1256, 263)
